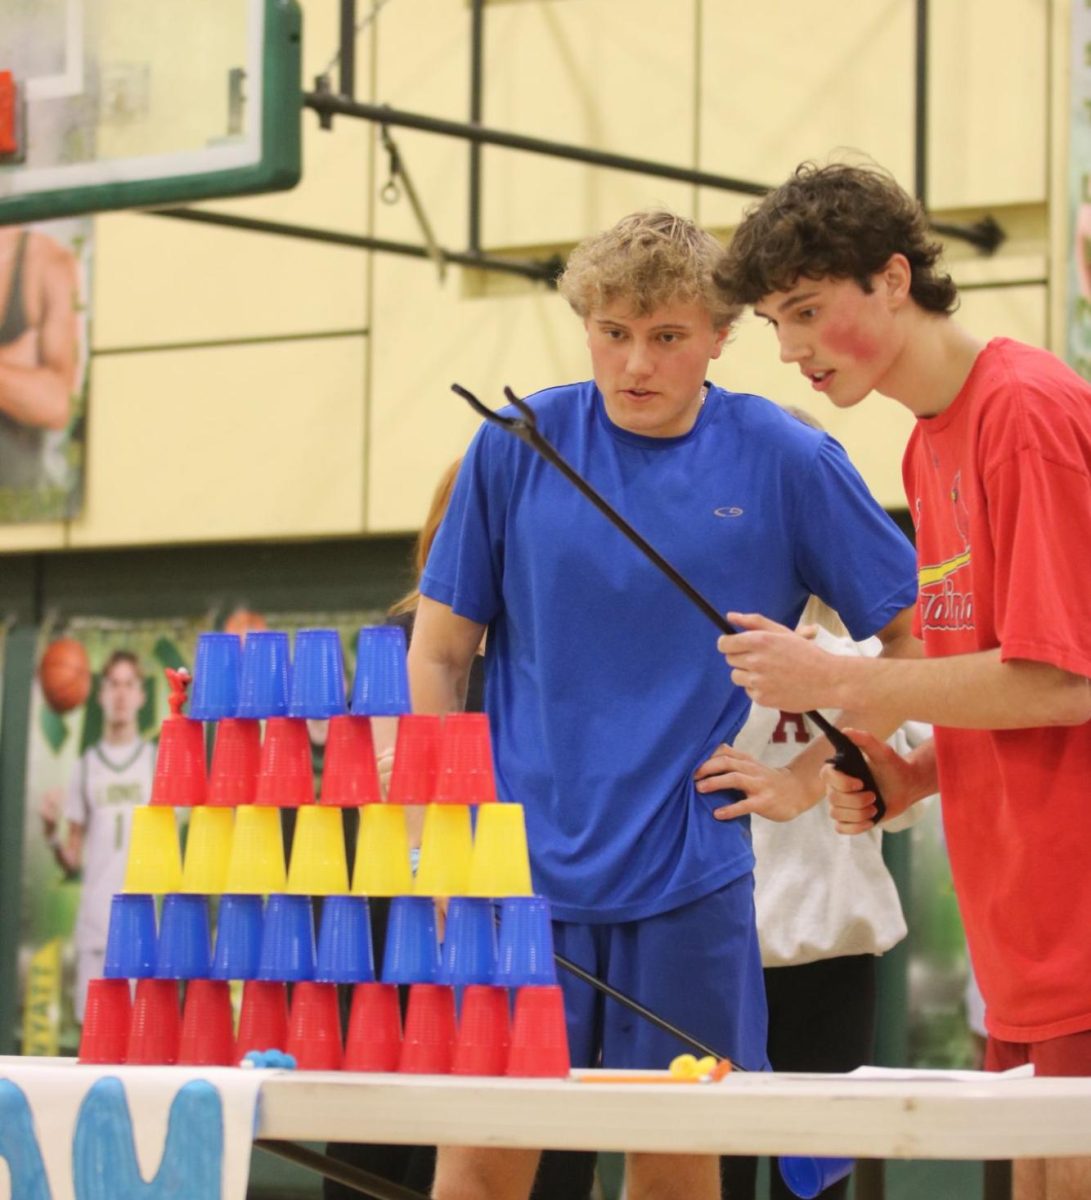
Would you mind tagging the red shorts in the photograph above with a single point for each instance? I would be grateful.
(1069, 1055)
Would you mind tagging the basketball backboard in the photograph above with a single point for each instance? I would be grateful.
(108, 104)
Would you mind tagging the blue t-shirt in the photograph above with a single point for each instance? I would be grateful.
(604, 687)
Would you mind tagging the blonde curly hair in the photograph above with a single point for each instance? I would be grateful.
(649, 259)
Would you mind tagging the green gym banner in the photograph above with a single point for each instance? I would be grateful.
(97, 701)
(946, 1016)
(44, 288)
(1078, 273)
(5, 625)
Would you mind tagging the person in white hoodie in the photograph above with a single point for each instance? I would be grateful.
(827, 907)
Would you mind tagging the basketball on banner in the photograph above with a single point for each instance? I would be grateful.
(65, 675)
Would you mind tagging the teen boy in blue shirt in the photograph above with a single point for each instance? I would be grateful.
(602, 687)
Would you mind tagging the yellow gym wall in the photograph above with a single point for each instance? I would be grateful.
(247, 386)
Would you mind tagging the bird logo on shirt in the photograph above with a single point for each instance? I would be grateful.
(943, 606)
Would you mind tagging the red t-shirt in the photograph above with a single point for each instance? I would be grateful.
(999, 485)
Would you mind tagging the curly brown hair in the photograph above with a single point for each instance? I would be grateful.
(648, 259)
(839, 221)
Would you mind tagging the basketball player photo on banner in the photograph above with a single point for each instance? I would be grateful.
(45, 270)
(44, 273)
(96, 706)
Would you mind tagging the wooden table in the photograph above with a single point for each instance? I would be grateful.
(916, 1115)
(919, 1116)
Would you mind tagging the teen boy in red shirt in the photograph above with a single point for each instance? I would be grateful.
(997, 473)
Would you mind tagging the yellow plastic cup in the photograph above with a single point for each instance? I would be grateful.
(155, 860)
(382, 853)
(500, 865)
(446, 849)
(208, 850)
(256, 865)
(318, 866)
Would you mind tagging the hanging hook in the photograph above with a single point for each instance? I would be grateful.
(400, 181)
(391, 193)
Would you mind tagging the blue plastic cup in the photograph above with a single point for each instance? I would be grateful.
(185, 945)
(380, 686)
(469, 945)
(345, 954)
(216, 677)
(525, 957)
(266, 672)
(809, 1177)
(238, 938)
(412, 948)
(131, 941)
(318, 675)
(287, 940)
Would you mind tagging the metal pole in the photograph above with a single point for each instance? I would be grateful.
(361, 1181)
(920, 141)
(985, 234)
(543, 272)
(348, 48)
(322, 103)
(477, 31)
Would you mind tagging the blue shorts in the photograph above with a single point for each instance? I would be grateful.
(698, 967)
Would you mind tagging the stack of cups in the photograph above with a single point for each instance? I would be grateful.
(215, 697)
(255, 865)
(373, 1040)
(235, 851)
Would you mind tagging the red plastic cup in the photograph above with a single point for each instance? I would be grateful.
(539, 1037)
(180, 779)
(428, 1046)
(208, 1034)
(484, 1032)
(106, 1019)
(263, 1018)
(374, 1039)
(465, 774)
(156, 1025)
(350, 776)
(314, 1027)
(416, 759)
(285, 777)
(236, 756)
